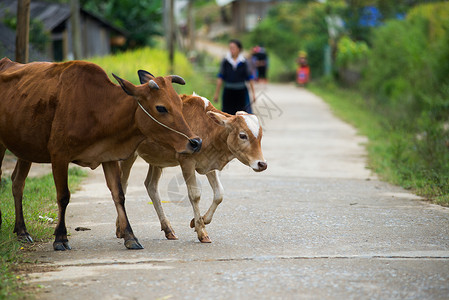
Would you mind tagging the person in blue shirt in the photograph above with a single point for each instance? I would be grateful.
(233, 75)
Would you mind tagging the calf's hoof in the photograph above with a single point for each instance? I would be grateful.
(205, 239)
(25, 238)
(61, 246)
(171, 236)
(133, 244)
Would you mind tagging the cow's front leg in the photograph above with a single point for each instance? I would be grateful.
(151, 184)
(112, 174)
(215, 183)
(188, 171)
(60, 176)
(18, 178)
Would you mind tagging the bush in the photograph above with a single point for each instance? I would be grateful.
(405, 62)
(350, 53)
(155, 61)
(407, 80)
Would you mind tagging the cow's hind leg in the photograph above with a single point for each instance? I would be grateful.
(125, 168)
(112, 175)
(188, 171)
(151, 184)
(2, 155)
(18, 178)
(215, 183)
(60, 176)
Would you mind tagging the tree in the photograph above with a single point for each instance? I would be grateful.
(140, 18)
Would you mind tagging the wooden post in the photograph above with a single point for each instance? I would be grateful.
(22, 30)
(171, 37)
(76, 29)
(191, 25)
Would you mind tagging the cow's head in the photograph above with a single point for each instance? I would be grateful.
(160, 113)
(244, 138)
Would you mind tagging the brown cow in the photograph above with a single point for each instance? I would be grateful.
(225, 137)
(71, 112)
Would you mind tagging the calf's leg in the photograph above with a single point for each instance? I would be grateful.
(151, 184)
(18, 178)
(112, 174)
(215, 183)
(188, 171)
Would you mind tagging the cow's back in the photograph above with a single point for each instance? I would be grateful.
(6, 63)
(38, 99)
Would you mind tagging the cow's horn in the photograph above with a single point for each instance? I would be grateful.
(153, 85)
(177, 79)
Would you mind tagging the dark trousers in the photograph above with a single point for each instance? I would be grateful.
(236, 100)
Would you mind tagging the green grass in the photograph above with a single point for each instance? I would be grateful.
(39, 200)
(155, 61)
(392, 151)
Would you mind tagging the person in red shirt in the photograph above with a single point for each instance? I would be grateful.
(303, 71)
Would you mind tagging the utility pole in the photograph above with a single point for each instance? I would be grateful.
(76, 29)
(22, 30)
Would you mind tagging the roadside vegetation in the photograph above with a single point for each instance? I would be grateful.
(389, 79)
(155, 61)
(40, 212)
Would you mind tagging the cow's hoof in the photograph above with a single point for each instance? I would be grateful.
(25, 238)
(205, 239)
(61, 246)
(133, 244)
(171, 236)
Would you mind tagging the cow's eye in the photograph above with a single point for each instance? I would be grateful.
(243, 136)
(161, 109)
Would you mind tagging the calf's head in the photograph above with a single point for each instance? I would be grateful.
(159, 115)
(244, 138)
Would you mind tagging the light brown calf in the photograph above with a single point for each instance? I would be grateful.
(225, 137)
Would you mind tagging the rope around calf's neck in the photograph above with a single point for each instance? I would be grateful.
(163, 125)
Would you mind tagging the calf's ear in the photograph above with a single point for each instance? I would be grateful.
(127, 86)
(144, 76)
(218, 118)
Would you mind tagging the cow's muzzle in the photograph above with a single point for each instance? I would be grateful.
(195, 144)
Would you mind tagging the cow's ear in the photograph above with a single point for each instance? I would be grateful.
(127, 86)
(144, 76)
(218, 118)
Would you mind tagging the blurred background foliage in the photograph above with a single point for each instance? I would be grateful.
(142, 19)
(395, 55)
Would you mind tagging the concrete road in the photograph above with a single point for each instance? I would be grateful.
(316, 225)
